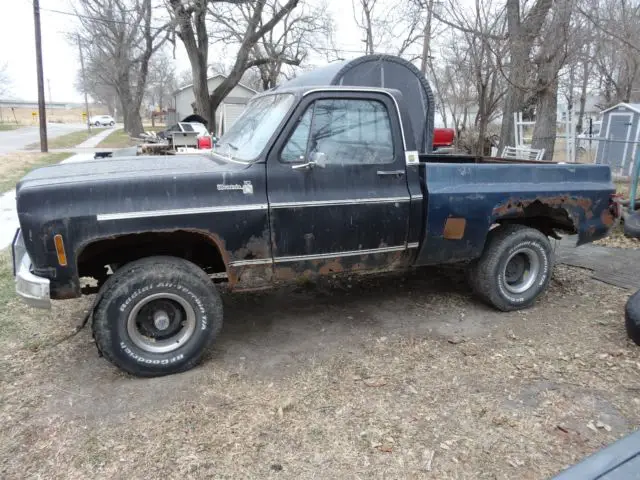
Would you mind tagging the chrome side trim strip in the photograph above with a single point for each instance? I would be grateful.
(255, 261)
(350, 253)
(321, 256)
(180, 211)
(350, 201)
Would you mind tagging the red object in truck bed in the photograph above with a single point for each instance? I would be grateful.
(443, 137)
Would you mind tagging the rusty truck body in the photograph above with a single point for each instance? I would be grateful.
(310, 180)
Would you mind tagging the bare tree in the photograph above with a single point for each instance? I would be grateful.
(286, 46)
(391, 29)
(477, 45)
(455, 95)
(118, 38)
(552, 52)
(523, 31)
(161, 82)
(363, 15)
(100, 91)
(304, 30)
(191, 27)
(616, 49)
(185, 78)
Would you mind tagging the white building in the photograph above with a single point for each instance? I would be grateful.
(227, 113)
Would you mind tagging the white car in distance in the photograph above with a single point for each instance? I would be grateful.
(102, 120)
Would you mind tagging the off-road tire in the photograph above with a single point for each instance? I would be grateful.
(632, 317)
(128, 287)
(487, 275)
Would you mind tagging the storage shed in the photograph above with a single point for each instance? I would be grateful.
(619, 137)
(384, 71)
(230, 109)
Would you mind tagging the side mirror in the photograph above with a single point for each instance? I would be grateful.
(319, 159)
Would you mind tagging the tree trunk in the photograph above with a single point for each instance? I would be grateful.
(481, 120)
(544, 131)
(426, 40)
(583, 94)
(125, 112)
(514, 101)
(135, 120)
(201, 93)
(522, 34)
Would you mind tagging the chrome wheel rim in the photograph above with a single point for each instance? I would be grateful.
(161, 323)
(521, 270)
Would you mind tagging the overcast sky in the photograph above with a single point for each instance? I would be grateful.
(61, 60)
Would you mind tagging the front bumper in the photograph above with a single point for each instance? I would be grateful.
(33, 290)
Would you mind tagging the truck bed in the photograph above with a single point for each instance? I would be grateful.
(464, 197)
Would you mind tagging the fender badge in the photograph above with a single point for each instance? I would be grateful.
(246, 187)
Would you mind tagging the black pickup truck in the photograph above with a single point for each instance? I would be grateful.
(310, 180)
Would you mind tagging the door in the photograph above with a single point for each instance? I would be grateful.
(618, 134)
(338, 196)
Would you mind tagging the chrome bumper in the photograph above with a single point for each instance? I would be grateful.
(33, 290)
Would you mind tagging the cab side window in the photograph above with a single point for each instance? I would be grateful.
(344, 131)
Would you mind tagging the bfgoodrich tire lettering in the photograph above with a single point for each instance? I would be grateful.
(514, 269)
(174, 292)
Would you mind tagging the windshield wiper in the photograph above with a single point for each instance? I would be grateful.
(230, 144)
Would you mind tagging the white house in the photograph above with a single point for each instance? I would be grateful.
(227, 113)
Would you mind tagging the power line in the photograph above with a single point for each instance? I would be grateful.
(96, 19)
(123, 22)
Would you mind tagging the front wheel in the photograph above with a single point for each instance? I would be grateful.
(97, 124)
(157, 316)
(514, 269)
(111, 124)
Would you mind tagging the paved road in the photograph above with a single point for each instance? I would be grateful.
(13, 140)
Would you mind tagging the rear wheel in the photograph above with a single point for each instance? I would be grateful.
(514, 269)
(157, 316)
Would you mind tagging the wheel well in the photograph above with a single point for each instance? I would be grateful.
(545, 218)
(195, 247)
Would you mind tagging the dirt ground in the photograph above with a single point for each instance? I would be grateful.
(386, 377)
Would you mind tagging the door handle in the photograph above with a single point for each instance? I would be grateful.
(309, 164)
(386, 173)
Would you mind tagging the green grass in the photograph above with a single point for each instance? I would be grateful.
(70, 140)
(20, 163)
(9, 126)
(118, 139)
(7, 293)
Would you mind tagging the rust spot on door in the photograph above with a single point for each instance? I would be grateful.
(454, 228)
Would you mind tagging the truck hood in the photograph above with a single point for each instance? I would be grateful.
(120, 168)
(137, 184)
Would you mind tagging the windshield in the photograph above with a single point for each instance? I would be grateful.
(250, 133)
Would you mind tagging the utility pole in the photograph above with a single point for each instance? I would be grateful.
(44, 146)
(84, 86)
